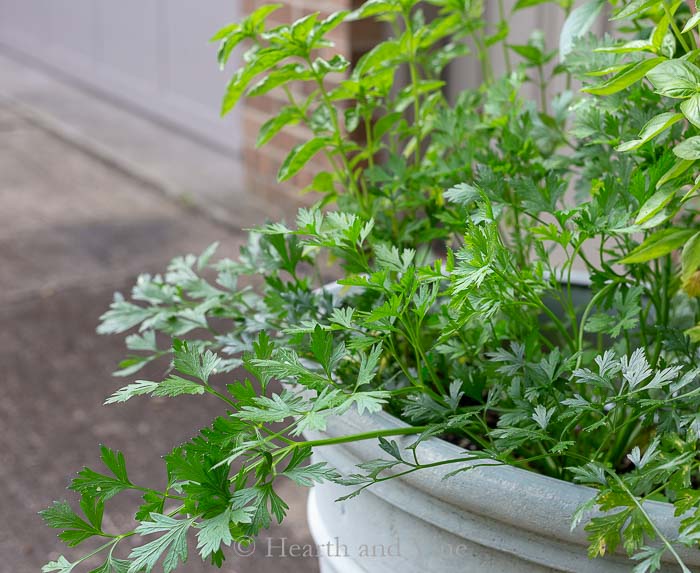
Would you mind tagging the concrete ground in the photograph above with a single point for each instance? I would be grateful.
(76, 225)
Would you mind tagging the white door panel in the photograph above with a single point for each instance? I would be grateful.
(129, 37)
(25, 22)
(154, 55)
(71, 30)
(188, 81)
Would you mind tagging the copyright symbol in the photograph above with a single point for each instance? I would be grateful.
(244, 547)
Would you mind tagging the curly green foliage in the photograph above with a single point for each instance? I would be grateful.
(459, 230)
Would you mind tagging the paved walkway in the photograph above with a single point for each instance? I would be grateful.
(74, 227)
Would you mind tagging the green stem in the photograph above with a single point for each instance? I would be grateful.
(555, 471)
(543, 88)
(370, 140)
(569, 301)
(664, 310)
(157, 492)
(628, 432)
(557, 323)
(582, 325)
(417, 383)
(352, 184)
(408, 430)
(504, 44)
(413, 335)
(675, 29)
(691, 35)
(101, 548)
(279, 435)
(417, 467)
(416, 111)
(536, 302)
(220, 396)
(567, 11)
(483, 55)
(517, 229)
(413, 71)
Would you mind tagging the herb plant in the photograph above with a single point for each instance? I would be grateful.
(455, 231)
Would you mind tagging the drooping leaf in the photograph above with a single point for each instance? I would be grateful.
(625, 78)
(651, 129)
(654, 205)
(676, 170)
(263, 60)
(690, 257)
(281, 76)
(288, 115)
(299, 157)
(657, 245)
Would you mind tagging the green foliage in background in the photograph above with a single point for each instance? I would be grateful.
(455, 230)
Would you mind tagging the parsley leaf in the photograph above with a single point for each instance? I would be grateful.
(75, 529)
(100, 486)
(172, 544)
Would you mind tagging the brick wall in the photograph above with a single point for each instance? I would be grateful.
(262, 164)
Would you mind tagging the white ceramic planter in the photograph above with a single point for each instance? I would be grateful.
(496, 519)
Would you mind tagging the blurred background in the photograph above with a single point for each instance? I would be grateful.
(113, 159)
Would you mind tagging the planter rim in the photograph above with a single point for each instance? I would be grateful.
(545, 505)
